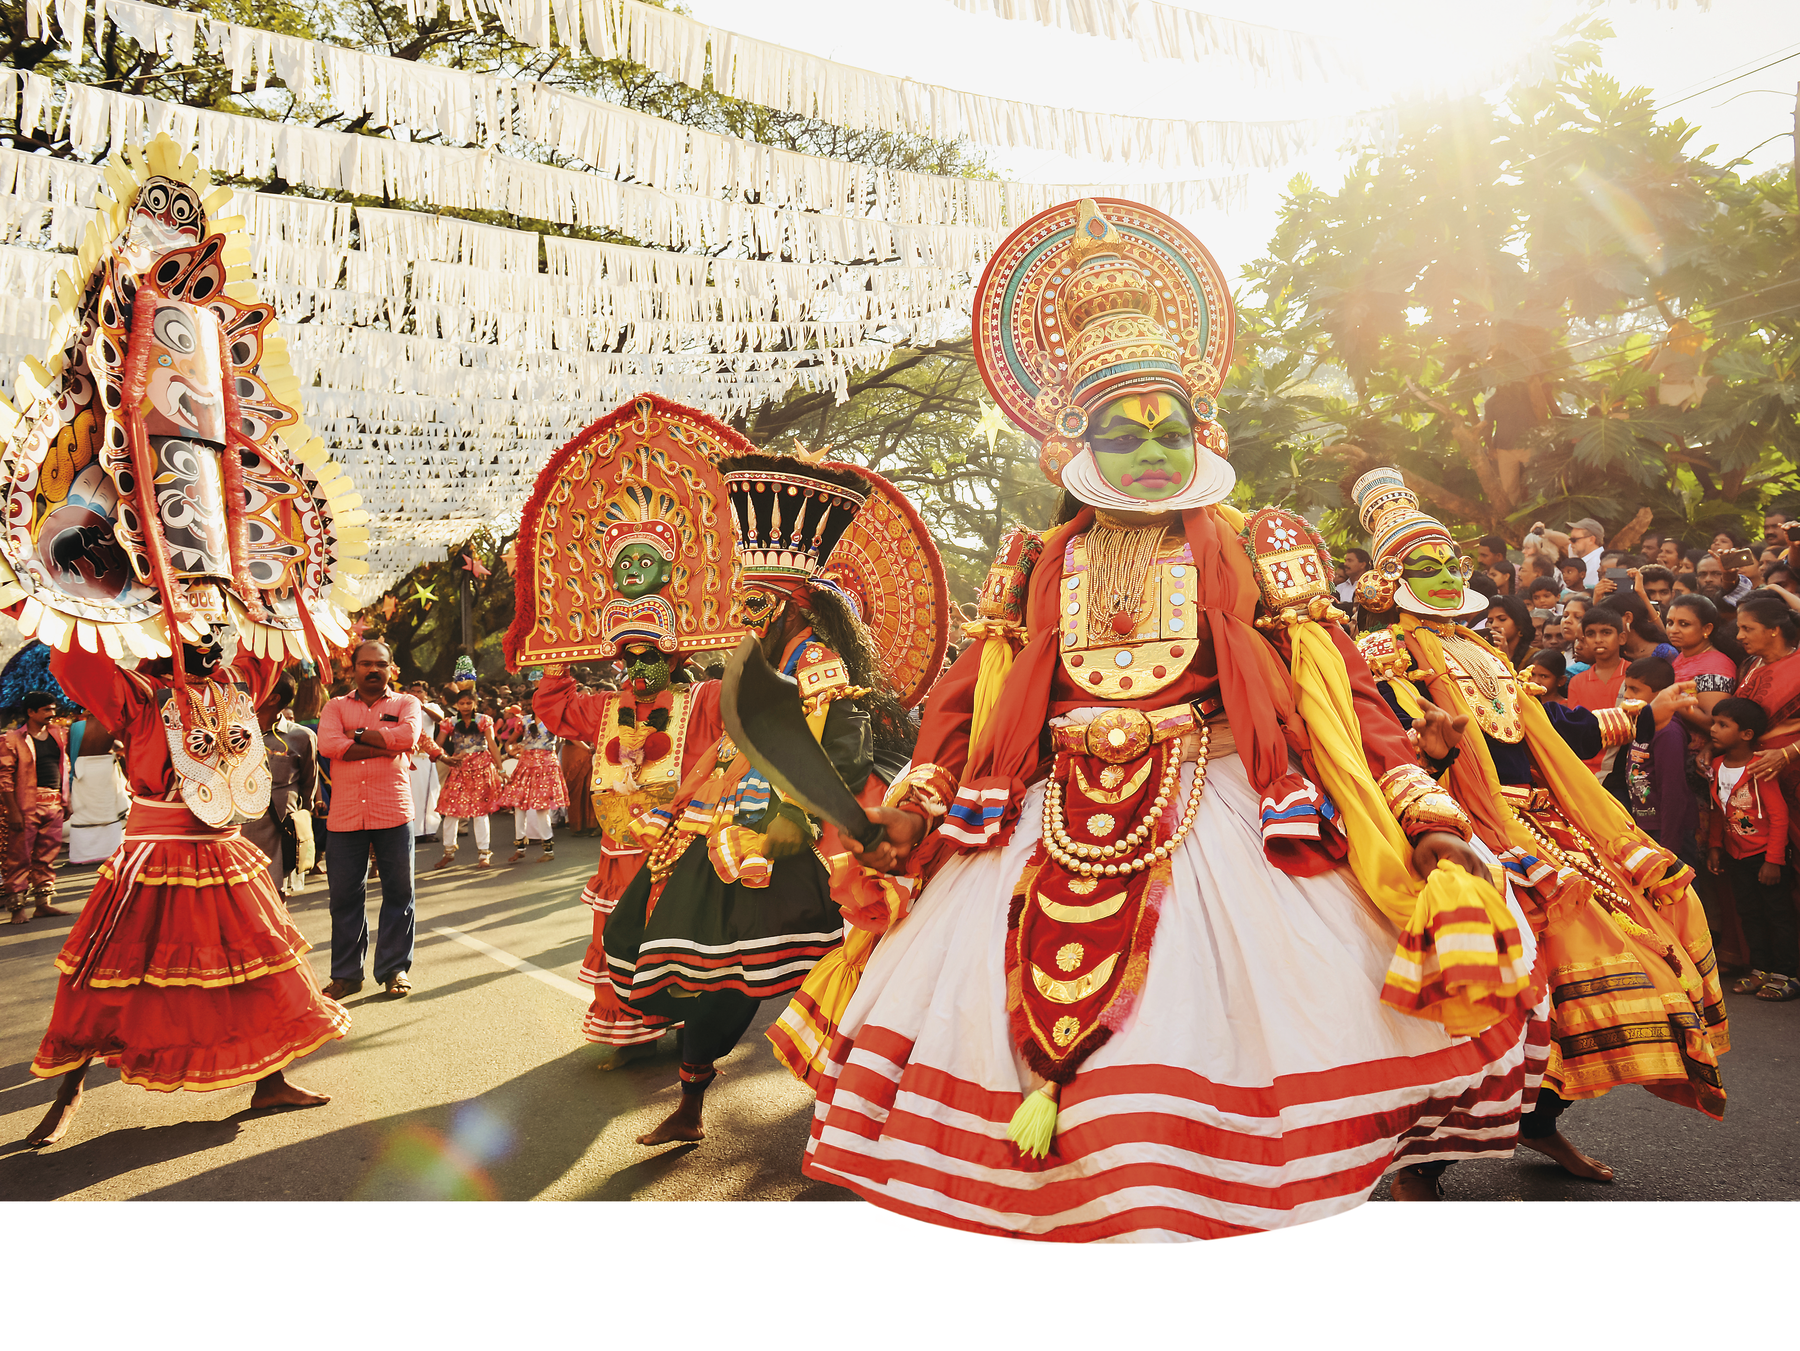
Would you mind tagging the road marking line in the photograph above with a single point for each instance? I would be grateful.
(519, 964)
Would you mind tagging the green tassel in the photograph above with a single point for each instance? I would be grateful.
(1033, 1126)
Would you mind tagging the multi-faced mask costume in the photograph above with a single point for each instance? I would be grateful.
(159, 474)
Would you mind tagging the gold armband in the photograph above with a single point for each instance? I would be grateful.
(1420, 804)
(1617, 725)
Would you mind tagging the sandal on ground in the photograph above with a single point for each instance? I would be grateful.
(398, 985)
(1749, 984)
(443, 862)
(342, 989)
(1779, 989)
(518, 855)
(485, 859)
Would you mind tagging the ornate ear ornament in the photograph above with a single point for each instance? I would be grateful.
(1375, 588)
(1292, 568)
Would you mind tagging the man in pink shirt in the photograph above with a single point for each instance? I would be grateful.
(368, 736)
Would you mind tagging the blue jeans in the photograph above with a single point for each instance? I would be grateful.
(346, 864)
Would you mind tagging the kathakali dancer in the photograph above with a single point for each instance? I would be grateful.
(734, 903)
(887, 566)
(163, 493)
(1201, 948)
(1625, 951)
(628, 556)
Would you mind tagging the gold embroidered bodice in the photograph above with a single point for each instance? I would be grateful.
(1487, 682)
(624, 791)
(1158, 648)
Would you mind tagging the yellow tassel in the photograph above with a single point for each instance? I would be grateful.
(1033, 1126)
(996, 665)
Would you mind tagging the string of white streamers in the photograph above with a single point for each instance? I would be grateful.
(102, 120)
(1172, 32)
(450, 422)
(476, 108)
(778, 77)
(690, 52)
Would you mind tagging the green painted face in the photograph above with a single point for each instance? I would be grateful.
(640, 570)
(646, 670)
(1144, 445)
(1433, 573)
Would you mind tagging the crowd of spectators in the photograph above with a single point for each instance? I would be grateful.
(1600, 626)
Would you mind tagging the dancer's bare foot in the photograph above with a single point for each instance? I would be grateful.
(275, 1091)
(1406, 1185)
(62, 1111)
(683, 1123)
(1573, 1161)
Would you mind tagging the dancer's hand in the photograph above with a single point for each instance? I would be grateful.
(1439, 732)
(1437, 846)
(903, 831)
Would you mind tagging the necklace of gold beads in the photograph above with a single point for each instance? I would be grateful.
(1119, 561)
(1108, 860)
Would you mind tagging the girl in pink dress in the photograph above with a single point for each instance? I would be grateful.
(534, 789)
(472, 783)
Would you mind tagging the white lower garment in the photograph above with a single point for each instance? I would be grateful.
(533, 824)
(1260, 1081)
(448, 833)
(423, 777)
(98, 802)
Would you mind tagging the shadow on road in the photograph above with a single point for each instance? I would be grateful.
(513, 1142)
(48, 1175)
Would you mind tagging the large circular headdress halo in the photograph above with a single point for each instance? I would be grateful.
(1088, 300)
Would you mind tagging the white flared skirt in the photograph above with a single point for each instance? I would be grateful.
(1260, 1082)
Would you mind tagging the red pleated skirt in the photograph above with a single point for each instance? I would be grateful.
(536, 784)
(184, 970)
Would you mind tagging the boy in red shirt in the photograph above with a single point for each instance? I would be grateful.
(1598, 687)
(1748, 841)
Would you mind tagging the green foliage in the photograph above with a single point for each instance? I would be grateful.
(425, 636)
(1541, 307)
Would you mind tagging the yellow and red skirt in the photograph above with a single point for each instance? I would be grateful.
(1634, 984)
(184, 970)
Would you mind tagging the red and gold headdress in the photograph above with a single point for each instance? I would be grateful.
(888, 566)
(1093, 300)
(1389, 511)
(642, 474)
(620, 535)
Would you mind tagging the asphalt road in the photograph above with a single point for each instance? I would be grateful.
(480, 1085)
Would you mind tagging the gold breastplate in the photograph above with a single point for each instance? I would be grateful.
(623, 791)
(1155, 653)
(1487, 683)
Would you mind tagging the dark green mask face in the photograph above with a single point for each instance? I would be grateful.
(639, 570)
(646, 670)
